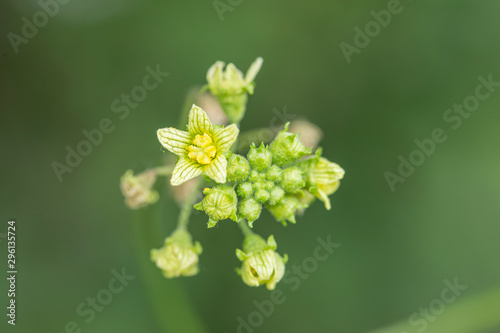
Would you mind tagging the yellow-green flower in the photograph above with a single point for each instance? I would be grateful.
(201, 149)
(323, 177)
(138, 189)
(179, 255)
(231, 80)
(261, 263)
(232, 88)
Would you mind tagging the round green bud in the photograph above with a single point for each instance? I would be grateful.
(249, 209)
(253, 176)
(245, 189)
(259, 185)
(268, 185)
(276, 195)
(285, 211)
(292, 179)
(287, 148)
(261, 196)
(274, 174)
(219, 204)
(237, 168)
(260, 158)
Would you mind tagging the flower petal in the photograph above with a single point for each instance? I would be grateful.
(233, 76)
(217, 169)
(321, 195)
(214, 74)
(225, 137)
(174, 140)
(184, 170)
(198, 121)
(253, 70)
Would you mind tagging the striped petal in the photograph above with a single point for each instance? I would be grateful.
(176, 141)
(217, 170)
(185, 169)
(214, 75)
(225, 137)
(253, 70)
(198, 121)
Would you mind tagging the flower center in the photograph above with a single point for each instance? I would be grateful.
(202, 150)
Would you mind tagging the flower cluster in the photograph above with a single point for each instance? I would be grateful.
(274, 177)
(282, 176)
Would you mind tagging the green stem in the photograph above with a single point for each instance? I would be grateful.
(164, 170)
(187, 207)
(245, 229)
(475, 314)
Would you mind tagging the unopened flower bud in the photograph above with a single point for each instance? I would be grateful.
(268, 185)
(287, 148)
(231, 87)
(237, 168)
(260, 158)
(179, 255)
(254, 176)
(261, 263)
(138, 189)
(259, 185)
(322, 177)
(292, 179)
(249, 209)
(245, 189)
(276, 195)
(274, 173)
(286, 210)
(220, 203)
(261, 195)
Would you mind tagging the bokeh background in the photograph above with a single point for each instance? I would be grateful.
(397, 247)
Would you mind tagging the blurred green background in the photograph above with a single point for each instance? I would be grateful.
(397, 247)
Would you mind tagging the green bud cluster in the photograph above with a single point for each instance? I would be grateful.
(279, 177)
(269, 176)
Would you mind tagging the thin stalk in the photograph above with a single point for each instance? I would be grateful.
(164, 170)
(245, 229)
(187, 207)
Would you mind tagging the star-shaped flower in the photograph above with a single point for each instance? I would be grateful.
(201, 149)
